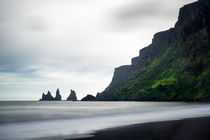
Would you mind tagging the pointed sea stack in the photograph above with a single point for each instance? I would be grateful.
(72, 96)
(47, 97)
(58, 96)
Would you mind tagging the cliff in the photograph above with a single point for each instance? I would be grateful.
(176, 66)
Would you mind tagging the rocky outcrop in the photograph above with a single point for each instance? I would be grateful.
(120, 75)
(176, 66)
(49, 97)
(194, 18)
(89, 98)
(58, 96)
(72, 96)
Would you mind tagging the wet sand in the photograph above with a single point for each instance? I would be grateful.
(186, 129)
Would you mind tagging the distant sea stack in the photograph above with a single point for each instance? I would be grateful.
(58, 96)
(174, 67)
(72, 96)
(89, 98)
(49, 97)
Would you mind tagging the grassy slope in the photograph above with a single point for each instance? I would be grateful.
(180, 72)
(178, 67)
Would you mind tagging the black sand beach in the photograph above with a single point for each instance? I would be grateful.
(186, 129)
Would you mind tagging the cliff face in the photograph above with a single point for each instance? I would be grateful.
(176, 66)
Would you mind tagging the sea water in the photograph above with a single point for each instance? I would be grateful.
(21, 120)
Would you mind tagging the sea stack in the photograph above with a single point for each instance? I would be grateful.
(89, 98)
(72, 96)
(47, 97)
(58, 96)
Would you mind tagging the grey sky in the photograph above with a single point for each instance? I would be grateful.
(73, 44)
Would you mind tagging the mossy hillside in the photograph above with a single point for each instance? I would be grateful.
(176, 66)
(179, 74)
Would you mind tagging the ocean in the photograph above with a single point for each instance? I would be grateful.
(20, 120)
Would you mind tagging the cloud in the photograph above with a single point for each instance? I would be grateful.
(139, 10)
(73, 43)
(143, 13)
(37, 24)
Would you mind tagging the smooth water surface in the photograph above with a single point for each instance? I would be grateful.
(33, 119)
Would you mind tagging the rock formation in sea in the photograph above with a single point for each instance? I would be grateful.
(49, 97)
(89, 98)
(58, 96)
(175, 67)
(72, 96)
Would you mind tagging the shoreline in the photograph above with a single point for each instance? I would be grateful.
(184, 129)
(67, 122)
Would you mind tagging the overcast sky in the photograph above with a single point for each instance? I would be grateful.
(74, 44)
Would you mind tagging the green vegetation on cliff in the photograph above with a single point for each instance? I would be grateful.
(176, 66)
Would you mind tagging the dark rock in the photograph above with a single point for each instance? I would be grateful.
(89, 98)
(120, 74)
(47, 97)
(58, 96)
(194, 18)
(72, 96)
